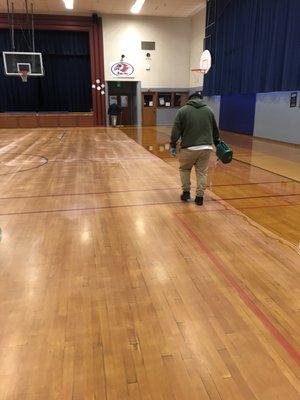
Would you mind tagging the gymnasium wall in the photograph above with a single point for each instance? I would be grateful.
(170, 62)
(196, 47)
(274, 119)
(165, 116)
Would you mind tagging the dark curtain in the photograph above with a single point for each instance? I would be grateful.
(255, 46)
(66, 85)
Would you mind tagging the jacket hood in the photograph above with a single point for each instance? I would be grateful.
(197, 103)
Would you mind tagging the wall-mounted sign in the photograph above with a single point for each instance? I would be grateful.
(122, 69)
(293, 99)
(124, 101)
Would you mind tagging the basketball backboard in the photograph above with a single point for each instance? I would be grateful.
(23, 64)
(205, 63)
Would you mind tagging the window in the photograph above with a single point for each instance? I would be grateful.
(180, 99)
(148, 100)
(164, 100)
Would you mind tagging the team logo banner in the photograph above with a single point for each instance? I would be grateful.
(122, 69)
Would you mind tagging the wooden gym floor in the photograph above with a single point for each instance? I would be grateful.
(111, 288)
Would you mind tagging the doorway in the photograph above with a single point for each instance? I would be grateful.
(125, 95)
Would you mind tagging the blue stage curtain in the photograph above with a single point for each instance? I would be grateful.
(66, 85)
(255, 46)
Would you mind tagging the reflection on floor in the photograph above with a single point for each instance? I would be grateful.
(262, 181)
(112, 288)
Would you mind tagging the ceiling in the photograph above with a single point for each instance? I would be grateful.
(167, 8)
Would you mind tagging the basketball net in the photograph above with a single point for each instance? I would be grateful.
(203, 68)
(24, 75)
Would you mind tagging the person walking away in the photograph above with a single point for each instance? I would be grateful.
(196, 126)
(113, 111)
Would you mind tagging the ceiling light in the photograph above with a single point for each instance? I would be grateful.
(136, 8)
(69, 4)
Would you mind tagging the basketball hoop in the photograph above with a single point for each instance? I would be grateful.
(24, 75)
(203, 71)
(205, 63)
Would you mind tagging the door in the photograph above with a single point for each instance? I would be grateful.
(149, 109)
(124, 101)
(123, 93)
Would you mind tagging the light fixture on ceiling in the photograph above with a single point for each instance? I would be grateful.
(69, 4)
(136, 8)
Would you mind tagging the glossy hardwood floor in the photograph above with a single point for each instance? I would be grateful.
(262, 181)
(111, 288)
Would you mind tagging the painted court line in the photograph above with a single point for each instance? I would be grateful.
(265, 206)
(104, 208)
(137, 191)
(88, 193)
(295, 355)
(250, 183)
(263, 169)
(258, 197)
(45, 161)
(87, 208)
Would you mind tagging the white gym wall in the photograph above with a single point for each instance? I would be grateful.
(196, 48)
(170, 62)
(274, 119)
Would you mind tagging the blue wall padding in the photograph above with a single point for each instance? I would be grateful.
(237, 112)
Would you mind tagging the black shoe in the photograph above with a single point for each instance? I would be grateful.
(185, 196)
(199, 200)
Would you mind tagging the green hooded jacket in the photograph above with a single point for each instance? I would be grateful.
(195, 124)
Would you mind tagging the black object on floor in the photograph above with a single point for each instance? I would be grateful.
(185, 196)
(199, 200)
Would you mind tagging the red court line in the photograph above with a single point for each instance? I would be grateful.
(295, 355)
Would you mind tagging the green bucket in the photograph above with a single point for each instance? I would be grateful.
(224, 152)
